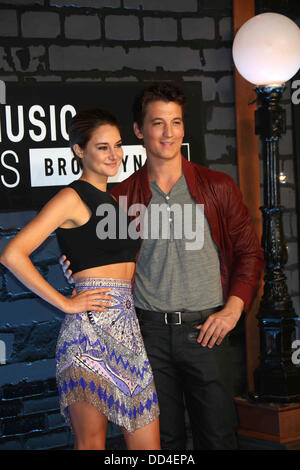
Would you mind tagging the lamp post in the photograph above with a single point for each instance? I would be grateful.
(266, 52)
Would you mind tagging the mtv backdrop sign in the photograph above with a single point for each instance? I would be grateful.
(35, 160)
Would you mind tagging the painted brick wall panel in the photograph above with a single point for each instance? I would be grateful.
(27, 388)
(35, 342)
(292, 253)
(208, 86)
(226, 29)
(122, 27)
(166, 58)
(218, 146)
(31, 59)
(55, 439)
(14, 285)
(55, 420)
(82, 27)
(160, 29)
(5, 60)
(74, 58)
(39, 405)
(55, 276)
(217, 4)
(23, 2)
(170, 5)
(14, 376)
(133, 4)
(10, 408)
(84, 58)
(23, 425)
(11, 444)
(16, 219)
(40, 25)
(221, 118)
(286, 143)
(218, 60)
(287, 197)
(225, 89)
(293, 281)
(86, 3)
(229, 169)
(198, 28)
(8, 23)
(289, 220)
(30, 309)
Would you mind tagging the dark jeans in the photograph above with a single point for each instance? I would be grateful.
(187, 373)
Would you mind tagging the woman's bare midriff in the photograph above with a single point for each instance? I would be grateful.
(110, 271)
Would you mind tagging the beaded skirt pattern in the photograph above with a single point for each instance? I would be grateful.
(101, 359)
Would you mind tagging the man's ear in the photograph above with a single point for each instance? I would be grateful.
(137, 131)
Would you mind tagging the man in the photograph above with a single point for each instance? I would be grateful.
(188, 300)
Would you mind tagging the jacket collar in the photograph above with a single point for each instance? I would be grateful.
(189, 173)
(187, 169)
(145, 186)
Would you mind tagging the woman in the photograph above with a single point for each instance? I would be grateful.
(102, 369)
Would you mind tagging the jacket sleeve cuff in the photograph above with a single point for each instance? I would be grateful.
(244, 292)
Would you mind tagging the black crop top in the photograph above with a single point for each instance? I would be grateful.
(82, 246)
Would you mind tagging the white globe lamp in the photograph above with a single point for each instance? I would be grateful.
(266, 49)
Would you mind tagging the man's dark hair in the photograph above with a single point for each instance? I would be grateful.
(84, 123)
(162, 91)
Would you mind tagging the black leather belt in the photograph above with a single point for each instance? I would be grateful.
(176, 318)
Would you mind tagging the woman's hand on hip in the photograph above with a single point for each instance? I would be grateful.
(88, 300)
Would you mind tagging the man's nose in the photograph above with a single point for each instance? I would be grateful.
(168, 130)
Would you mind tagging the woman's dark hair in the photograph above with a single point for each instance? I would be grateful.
(84, 123)
(162, 91)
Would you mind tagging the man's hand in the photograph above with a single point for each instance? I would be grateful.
(218, 324)
(67, 272)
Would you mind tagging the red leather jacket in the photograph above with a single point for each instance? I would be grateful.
(241, 256)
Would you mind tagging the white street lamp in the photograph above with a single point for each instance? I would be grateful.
(266, 52)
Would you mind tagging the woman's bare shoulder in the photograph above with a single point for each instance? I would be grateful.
(67, 196)
(62, 205)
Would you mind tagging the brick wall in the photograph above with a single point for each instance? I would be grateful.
(103, 41)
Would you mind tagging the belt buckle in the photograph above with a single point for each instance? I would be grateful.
(166, 320)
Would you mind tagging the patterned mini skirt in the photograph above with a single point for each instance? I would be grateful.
(101, 359)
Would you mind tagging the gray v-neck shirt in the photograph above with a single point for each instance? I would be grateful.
(170, 277)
